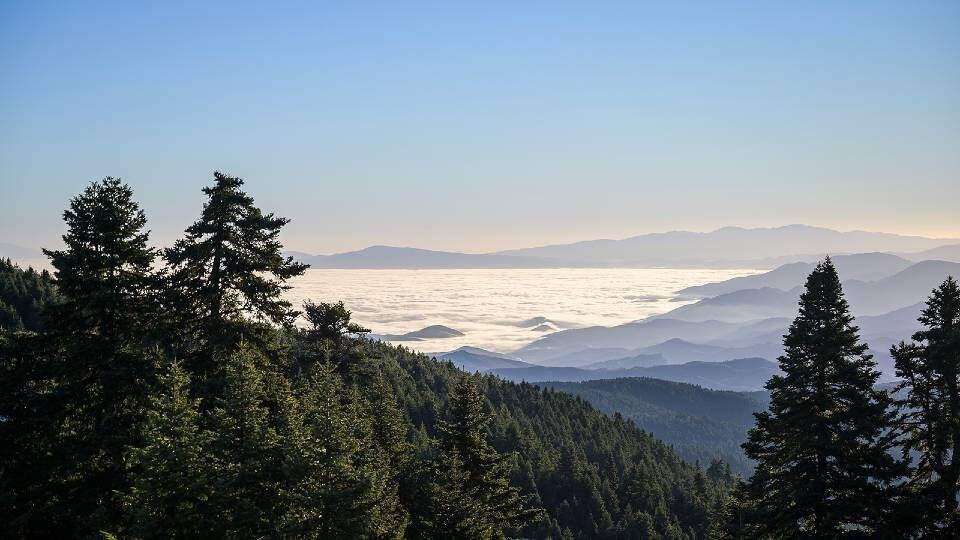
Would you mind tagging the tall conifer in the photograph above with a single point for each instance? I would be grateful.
(228, 267)
(102, 369)
(472, 471)
(930, 372)
(822, 449)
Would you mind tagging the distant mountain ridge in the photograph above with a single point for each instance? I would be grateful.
(730, 244)
(861, 266)
(473, 359)
(742, 374)
(750, 322)
(725, 247)
(388, 257)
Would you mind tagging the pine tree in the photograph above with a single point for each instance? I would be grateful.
(930, 414)
(337, 482)
(823, 466)
(476, 471)
(105, 273)
(170, 476)
(101, 369)
(9, 318)
(330, 338)
(246, 449)
(229, 266)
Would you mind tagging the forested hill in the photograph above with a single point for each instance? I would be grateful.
(596, 475)
(283, 430)
(699, 423)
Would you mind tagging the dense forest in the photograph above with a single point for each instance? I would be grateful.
(23, 294)
(153, 393)
(170, 395)
(700, 424)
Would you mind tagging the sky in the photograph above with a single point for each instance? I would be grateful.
(487, 125)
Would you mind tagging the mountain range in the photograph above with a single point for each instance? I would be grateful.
(728, 244)
(743, 374)
(727, 341)
(725, 247)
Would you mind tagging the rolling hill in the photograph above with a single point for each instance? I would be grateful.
(861, 266)
(699, 423)
(474, 359)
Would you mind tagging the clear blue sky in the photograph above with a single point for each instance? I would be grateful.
(489, 126)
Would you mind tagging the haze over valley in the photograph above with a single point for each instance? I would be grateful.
(574, 324)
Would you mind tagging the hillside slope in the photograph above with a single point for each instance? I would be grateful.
(599, 476)
(700, 424)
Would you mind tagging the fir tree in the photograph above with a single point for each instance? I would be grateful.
(337, 483)
(101, 367)
(245, 450)
(477, 472)
(229, 266)
(930, 418)
(330, 338)
(170, 475)
(105, 273)
(823, 465)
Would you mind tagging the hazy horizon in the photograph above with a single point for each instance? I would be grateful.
(511, 247)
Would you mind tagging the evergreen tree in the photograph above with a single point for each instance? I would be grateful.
(338, 484)
(105, 273)
(823, 465)
(100, 369)
(9, 318)
(330, 338)
(246, 449)
(477, 473)
(24, 296)
(930, 418)
(229, 266)
(171, 481)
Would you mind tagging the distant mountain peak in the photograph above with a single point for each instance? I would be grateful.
(758, 247)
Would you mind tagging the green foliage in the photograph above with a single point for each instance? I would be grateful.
(105, 273)
(701, 424)
(930, 371)
(595, 475)
(170, 476)
(472, 496)
(93, 371)
(229, 265)
(24, 294)
(824, 466)
(180, 402)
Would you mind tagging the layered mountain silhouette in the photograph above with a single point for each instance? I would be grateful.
(738, 374)
(729, 246)
(477, 359)
(862, 266)
(744, 323)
